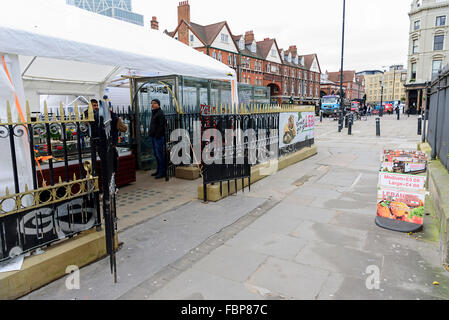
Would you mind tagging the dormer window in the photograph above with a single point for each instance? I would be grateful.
(253, 47)
(242, 44)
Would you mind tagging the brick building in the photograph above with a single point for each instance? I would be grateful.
(353, 85)
(261, 63)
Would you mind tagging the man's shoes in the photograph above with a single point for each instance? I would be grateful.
(160, 177)
(154, 174)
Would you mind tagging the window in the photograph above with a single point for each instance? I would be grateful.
(268, 68)
(224, 38)
(438, 42)
(219, 56)
(417, 25)
(273, 52)
(413, 72)
(235, 61)
(436, 67)
(191, 38)
(440, 21)
(229, 59)
(415, 46)
(214, 55)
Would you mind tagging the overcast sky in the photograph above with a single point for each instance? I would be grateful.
(376, 31)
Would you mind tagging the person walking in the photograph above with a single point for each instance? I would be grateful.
(157, 133)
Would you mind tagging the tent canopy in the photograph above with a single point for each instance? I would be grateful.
(55, 41)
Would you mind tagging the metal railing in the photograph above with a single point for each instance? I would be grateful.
(32, 217)
(438, 118)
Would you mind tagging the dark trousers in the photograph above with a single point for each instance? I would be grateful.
(158, 147)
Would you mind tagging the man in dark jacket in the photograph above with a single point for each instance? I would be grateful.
(157, 133)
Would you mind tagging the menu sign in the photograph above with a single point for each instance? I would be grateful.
(404, 161)
(401, 195)
(402, 181)
(401, 205)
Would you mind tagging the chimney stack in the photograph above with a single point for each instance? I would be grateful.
(266, 39)
(184, 11)
(249, 37)
(293, 50)
(154, 24)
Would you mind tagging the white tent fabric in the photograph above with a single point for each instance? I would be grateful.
(61, 44)
(53, 30)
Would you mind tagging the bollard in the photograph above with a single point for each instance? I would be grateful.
(399, 114)
(425, 126)
(321, 116)
(378, 127)
(419, 125)
(350, 127)
(346, 120)
(340, 122)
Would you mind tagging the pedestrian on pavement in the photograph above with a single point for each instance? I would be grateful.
(117, 125)
(157, 133)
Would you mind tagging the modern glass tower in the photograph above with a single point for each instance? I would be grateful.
(118, 9)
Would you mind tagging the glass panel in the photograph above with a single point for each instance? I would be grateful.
(149, 90)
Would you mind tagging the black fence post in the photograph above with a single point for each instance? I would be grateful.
(350, 127)
(419, 125)
(424, 126)
(321, 116)
(378, 127)
(340, 122)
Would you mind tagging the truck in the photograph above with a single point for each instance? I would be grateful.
(330, 105)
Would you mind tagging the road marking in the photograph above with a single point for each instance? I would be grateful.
(356, 181)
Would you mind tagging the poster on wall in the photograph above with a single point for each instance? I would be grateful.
(400, 210)
(295, 128)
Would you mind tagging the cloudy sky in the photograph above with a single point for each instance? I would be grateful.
(376, 31)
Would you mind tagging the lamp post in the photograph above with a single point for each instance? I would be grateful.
(381, 110)
(342, 108)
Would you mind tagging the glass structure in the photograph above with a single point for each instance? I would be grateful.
(118, 9)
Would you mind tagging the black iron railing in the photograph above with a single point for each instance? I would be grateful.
(62, 206)
(438, 117)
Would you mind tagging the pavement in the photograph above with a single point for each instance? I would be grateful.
(305, 233)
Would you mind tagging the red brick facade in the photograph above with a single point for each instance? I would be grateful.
(292, 76)
(354, 86)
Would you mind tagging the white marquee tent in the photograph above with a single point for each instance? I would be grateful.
(60, 49)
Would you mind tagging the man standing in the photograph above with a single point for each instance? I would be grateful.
(157, 133)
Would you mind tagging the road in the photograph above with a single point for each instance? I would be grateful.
(307, 232)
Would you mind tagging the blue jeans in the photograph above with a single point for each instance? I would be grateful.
(158, 147)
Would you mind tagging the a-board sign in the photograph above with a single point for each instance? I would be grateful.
(401, 190)
(401, 206)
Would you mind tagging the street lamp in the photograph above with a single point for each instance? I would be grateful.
(381, 110)
(342, 109)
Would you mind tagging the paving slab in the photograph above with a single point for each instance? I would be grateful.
(292, 211)
(341, 287)
(327, 233)
(200, 285)
(338, 259)
(231, 263)
(272, 244)
(289, 279)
